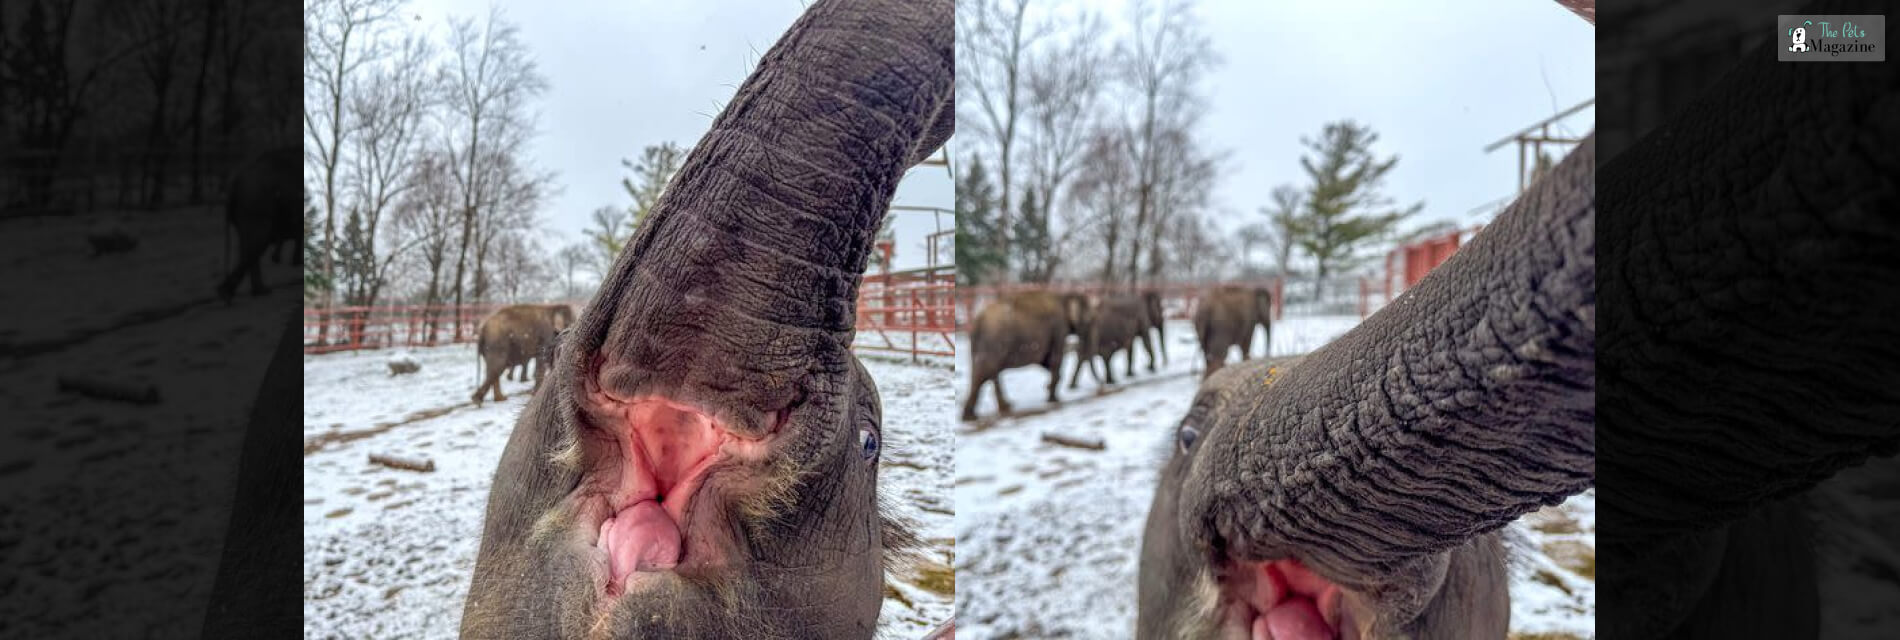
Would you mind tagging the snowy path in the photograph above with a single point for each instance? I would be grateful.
(159, 330)
(1051, 535)
(387, 553)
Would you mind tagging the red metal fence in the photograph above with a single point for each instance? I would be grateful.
(915, 319)
(353, 328)
(914, 314)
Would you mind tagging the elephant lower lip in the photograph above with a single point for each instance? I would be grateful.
(661, 454)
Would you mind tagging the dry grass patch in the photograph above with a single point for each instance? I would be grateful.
(1552, 520)
(1573, 555)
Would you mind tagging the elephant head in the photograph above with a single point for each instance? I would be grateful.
(1080, 314)
(704, 460)
(560, 316)
(1335, 492)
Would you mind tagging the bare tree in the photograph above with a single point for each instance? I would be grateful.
(1182, 185)
(520, 272)
(605, 238)
(390, 110)
(508, 205)
(1064, 85)
(1161, 67)
(161, 26)
(1195, 241)
(48, 90)
(571, 258)
(1283, 224)
(429, 215)
(489, 78)
(1249, 236)
(340, 37)
(994, 38)
(1101, 194)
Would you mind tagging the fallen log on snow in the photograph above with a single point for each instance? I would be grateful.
(1078, 442)
(108, 390)
(405, 464)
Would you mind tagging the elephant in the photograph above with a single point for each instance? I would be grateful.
(702, 459)
(1020, 330)
(1118, 322)
(1226, 318)
(265, 211)
(1359, 491)
(560, 317)
(246, 601)
(514, 336)
(1753, 353)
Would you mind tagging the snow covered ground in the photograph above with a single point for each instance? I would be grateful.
(178, 259)
(161, 330)
(387, 553)
(1859, 565)
(1051, 536)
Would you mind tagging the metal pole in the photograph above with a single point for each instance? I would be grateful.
(1520, 167)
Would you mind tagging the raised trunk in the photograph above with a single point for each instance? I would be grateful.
(749, 264)
(1410, 434)
(1740, 236)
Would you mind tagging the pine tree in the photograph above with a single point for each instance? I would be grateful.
(657, 165)
(314, 282)
(1031, 238)
(606, 237)
(356, 265)
(1344, 207)
(980, 250)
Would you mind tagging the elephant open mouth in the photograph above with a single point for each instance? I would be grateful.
(650, 458)
(1283, 600)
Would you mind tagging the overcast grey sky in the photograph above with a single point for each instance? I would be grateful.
(626, 74)
(1436, 81)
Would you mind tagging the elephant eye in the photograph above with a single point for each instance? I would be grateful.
(1187, 435)
(868, 441)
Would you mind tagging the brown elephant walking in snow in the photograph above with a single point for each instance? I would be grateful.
(516, 336)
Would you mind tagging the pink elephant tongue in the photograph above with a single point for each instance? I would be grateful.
(1294, 619)
(640, 538)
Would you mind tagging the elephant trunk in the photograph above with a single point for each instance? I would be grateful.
(1161, 338)
(1466, 403)
(1688, 445)
(749, 265)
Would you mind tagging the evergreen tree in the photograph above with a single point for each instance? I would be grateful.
(1031, 237)
(980, 250)
(314, 282)
(657, 165)
(1344, 210)
(355, 263)
(606, 237)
